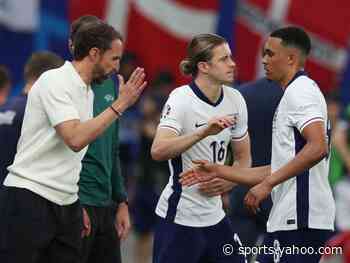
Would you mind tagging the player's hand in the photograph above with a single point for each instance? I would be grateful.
(216, 125)
(122, 221)
(130, 91)
(86, 225)
(257, 194)
(202, 172)
(215, 187)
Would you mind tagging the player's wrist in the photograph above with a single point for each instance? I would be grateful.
(116, 111)
(268, 181)
(201, 133)
(219, 170)
(119, 106)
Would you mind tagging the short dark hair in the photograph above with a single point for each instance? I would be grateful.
(5, 77)
(39, 62)
(93, 35)
(83, 20)
(294, 37)
(200, 49)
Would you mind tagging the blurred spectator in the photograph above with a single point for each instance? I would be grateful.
(163, 84)
(336, 161)
(128, 125)
(152, 176)
(151, 179)
(11, 114)
(342, 203)
(262, 98)
(128, 64)
(5, 84)
(340, 252)
(340, 167)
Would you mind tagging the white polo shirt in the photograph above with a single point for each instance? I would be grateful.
(44, 164)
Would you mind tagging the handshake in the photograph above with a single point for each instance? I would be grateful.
(203, 172)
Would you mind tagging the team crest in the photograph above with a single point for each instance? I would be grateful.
(109, 98)
(233, 127)
(166, 111)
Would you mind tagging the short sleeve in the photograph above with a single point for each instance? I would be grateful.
(304, 107)
(173, 114)
(241, 129)
(57, 102)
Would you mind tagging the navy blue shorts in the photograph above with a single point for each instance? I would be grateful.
(175, 243)
(296, 246)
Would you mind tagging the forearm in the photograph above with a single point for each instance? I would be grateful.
(83, 133)
(241, 153)
(243, 162)
(305, 159)
(246, 176)
(168, 148)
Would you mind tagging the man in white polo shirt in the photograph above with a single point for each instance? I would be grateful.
(41, 218)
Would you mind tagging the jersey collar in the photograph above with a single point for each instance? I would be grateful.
(196, 90)
(297, 75)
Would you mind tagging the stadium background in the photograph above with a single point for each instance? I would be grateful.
(157, 31)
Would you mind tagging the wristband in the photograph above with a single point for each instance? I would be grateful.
(118, 113)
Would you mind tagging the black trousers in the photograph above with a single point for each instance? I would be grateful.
(103, 244)
(35, 230)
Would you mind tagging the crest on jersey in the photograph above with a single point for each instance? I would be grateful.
(109, 98)
(233, 127)
(166, 111)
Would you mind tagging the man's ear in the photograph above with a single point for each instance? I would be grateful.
(94, 54)
(203, 67)
(291, 59)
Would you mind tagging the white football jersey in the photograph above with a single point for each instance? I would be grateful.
(303, 201)
(187, 110)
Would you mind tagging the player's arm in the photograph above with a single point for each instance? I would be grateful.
(315, 149)
(241, 152)
(304, 115)
(242, 158)
(239, 173)
(167, 144)
(205, 172)
(77, 135)
(245, 176)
